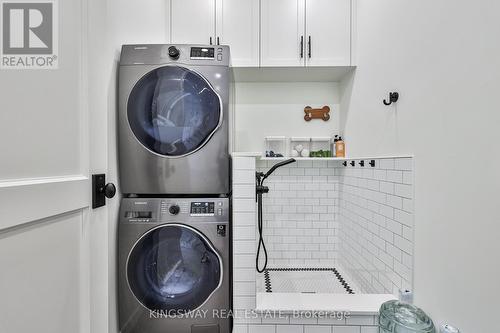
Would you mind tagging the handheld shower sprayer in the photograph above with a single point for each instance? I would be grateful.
(260, 190)
(278, 165)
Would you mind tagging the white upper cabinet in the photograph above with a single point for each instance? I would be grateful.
(282, 33)
(192, 21)
(238, 27)
(328, 32)
(306, 32)
(268, 33)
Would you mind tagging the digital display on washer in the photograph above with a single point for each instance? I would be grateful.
(202, 53)
(202, 208)
(138, 215)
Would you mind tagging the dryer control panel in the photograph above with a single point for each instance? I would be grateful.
(202, 53)
(158, 54)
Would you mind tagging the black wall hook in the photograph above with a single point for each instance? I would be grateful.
(393, 98)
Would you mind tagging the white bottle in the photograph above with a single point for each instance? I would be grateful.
(334, 141)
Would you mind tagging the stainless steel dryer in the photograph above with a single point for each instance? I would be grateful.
(173, 119)
(173, 265)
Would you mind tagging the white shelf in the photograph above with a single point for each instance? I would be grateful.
(259, 156)
(333, 158)
(302, 158)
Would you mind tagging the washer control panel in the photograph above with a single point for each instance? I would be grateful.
(139, 216)
(195, 208)
(154, 210)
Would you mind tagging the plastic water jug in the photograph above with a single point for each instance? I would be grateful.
(398, 317)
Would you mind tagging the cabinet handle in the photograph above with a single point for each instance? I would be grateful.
(309, 46)
(218, 41)
(210, 40)
(301, 47)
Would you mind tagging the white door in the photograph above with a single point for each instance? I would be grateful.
(328, 31)
(192, 22)
(238, 26)
(282, 33)
(53, 246)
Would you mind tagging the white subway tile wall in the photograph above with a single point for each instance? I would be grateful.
(300, 227)
(368, 226)
(376, 224)
(244, 241)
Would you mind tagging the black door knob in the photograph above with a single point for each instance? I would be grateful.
(174, 210)
(101, 190)
(109, 190)
(173, 52)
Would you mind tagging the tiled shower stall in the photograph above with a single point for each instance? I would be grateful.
(326, 214)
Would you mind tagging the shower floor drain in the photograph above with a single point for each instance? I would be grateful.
(305, 280)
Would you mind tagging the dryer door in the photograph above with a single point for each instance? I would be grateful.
(173, 267)
(174, 111)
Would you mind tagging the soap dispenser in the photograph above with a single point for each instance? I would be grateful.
(340, 148)
(335, 139)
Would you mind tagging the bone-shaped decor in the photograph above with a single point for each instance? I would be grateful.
(323, 113)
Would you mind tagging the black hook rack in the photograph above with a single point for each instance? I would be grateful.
(345, 163)
(362, 163)
(393, 98)
(372, 163)
(353, 163)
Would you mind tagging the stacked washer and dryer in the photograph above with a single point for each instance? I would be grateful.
(173, 231)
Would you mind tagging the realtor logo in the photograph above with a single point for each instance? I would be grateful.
(29, 39)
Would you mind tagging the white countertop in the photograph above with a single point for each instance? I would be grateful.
(357, 304)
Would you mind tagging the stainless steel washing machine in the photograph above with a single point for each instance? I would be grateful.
(173, 266)
(173, 119)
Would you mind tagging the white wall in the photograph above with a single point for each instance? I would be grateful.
(444, 59)
(277, 108)
(376, 224)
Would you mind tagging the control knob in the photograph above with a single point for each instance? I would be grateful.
(173, 52)
(174, 209)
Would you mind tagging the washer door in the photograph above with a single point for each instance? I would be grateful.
(173, 267)
(174, 111)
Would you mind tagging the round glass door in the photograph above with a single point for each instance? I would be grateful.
(173, 267)
(173, 111)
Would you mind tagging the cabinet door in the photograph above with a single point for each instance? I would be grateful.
(192, 21)
(282, 33)
(238, 27)
(328, 31)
